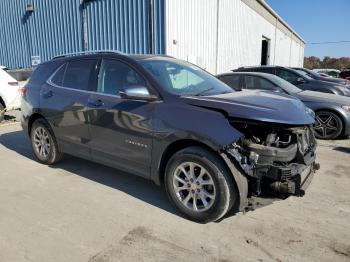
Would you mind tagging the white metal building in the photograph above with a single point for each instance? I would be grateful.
(220, 35)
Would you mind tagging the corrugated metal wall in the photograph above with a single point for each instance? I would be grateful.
(56, 27)
(241, 31)
(220, 35)
(191, 31)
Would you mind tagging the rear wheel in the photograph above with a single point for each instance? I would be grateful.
(199, 184)
(328, 125)
(44, 143)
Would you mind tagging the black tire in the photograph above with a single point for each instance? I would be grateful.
(328, 125)
(54, 155)
(225, 190)
(2, 112)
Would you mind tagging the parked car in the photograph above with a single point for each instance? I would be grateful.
(318, 76)
(303, 81)
(212, 149)
(327, 72)
(332, 111)
(345, 74)
(9, 93)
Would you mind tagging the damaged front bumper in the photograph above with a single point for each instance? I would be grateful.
(278, 171)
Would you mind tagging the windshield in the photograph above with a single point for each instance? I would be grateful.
(306, 72)
(182, 78)
(301, 73)
(285, 85)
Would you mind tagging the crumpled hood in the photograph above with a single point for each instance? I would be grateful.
(257, 105)
(312, 96)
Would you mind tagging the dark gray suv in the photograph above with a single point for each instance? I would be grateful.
(213, 149)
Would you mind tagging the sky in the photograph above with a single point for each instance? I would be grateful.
(318, 21)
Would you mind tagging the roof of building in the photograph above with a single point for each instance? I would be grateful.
(266, 11)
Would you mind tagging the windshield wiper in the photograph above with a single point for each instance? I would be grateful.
(203, 91)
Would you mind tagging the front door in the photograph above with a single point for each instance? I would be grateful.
(121, 131)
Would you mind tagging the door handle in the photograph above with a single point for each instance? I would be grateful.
(96, 103)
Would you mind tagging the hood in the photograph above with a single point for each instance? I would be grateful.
(340, 87)
(257, 105)
(327, 83)
(312, 96)
(333, 80)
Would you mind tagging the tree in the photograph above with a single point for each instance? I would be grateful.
(313, 62)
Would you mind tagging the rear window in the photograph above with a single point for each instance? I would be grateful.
(42, 73)
(77, 74)
(57, 79)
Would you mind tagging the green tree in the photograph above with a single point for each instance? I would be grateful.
(327, 62)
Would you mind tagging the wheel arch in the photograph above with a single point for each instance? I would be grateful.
(174, 147)
(239, 179)
(32, 119)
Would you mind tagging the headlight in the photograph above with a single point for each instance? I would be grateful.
(346, 108)
(310, 111)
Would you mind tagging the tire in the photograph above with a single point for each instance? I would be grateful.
(2, 112)
(41, 135)
(328, 125)
(216, 182)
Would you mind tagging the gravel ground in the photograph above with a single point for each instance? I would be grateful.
(81, 211)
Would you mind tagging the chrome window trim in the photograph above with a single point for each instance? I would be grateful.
(49, 82)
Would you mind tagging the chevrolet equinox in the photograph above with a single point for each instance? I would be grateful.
(164, 119)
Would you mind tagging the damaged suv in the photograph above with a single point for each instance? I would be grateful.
(213, 149)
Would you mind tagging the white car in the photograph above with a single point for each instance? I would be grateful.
(10, 98)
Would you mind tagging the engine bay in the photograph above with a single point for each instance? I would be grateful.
(277, 159)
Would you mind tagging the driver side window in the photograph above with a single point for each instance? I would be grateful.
(288, 76)
(254, 82)
(115, 76)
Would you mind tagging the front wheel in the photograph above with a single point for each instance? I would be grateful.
(44, 143)
(200, 185)
(328, 125)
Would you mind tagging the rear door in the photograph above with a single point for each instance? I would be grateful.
(63, 101)
(121, 130)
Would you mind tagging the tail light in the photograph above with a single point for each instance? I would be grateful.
(23, 90)
(12, 83)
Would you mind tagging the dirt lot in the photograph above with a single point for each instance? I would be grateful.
(80, 211)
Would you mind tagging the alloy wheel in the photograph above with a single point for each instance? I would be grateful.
(194, 186)
(326, 125)
(42, 142)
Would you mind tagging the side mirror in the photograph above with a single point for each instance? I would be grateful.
(300, 80)
(137, 93)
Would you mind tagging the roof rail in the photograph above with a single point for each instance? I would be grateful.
(90, 52)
